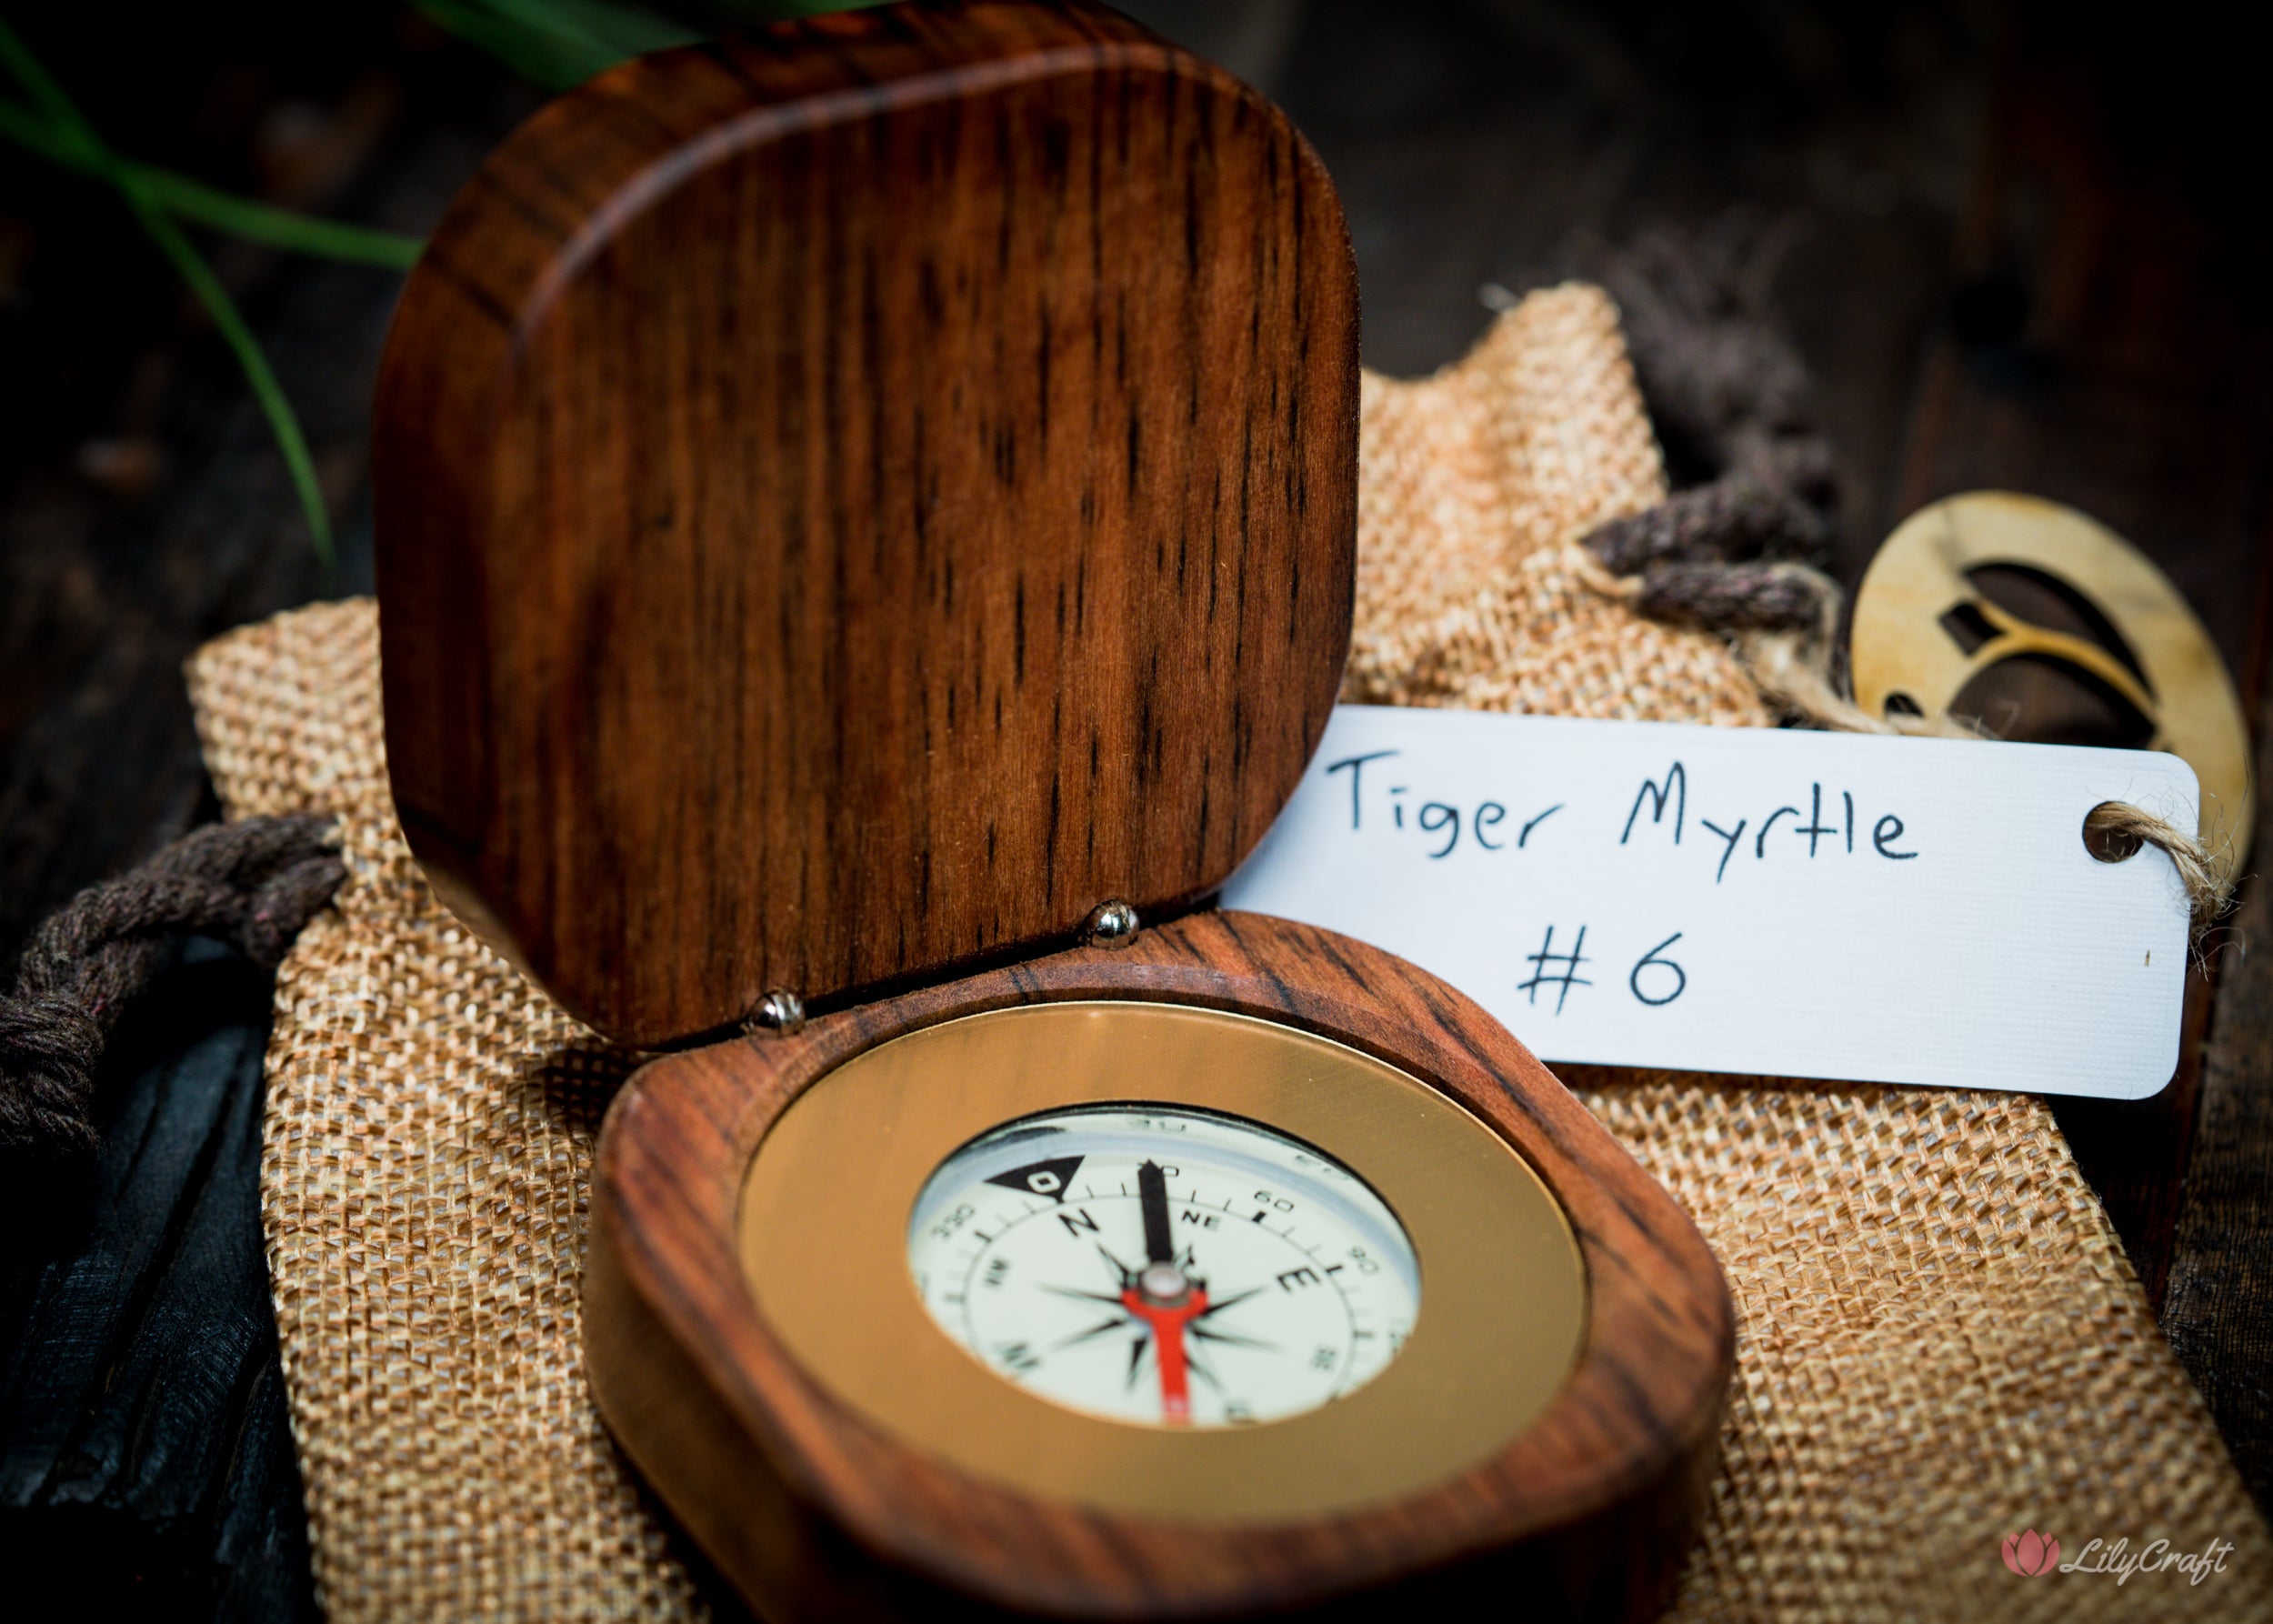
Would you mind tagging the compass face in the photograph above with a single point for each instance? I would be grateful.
(1142, 1256)
(1164, 1266)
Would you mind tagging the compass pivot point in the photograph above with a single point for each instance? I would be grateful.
(1165, 1284)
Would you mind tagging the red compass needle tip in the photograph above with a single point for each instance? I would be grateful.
(1167, 1322)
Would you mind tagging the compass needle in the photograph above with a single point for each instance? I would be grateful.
(1004, 1269)
(1152, 1198)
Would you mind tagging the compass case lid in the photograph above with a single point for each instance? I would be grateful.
(852, 498)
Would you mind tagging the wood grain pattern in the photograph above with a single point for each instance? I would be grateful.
(852, 499)
(816, 1514)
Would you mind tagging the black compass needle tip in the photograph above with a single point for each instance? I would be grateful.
(1152, 1197)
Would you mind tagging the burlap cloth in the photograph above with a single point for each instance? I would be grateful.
(1940, 1341)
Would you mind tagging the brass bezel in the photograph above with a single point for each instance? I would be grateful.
(823, 1220)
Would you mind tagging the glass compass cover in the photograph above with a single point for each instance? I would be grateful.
(1164, 1266)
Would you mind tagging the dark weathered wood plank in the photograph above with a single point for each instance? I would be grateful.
(146, 1458)
(2109, 352)
(145, 1464)
(2221, 1262)
(1520, 144)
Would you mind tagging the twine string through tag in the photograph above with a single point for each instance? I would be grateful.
(1722, 557)
(1780, 619)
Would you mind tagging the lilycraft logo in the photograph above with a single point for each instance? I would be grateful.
(2030, 1554)
(2033, 1555)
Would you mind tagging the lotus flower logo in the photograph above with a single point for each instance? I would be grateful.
(2030, 1554)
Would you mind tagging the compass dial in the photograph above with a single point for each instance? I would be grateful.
(1164, 1266)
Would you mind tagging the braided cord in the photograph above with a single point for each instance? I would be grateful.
(253, 883)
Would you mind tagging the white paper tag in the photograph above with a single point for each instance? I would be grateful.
(1753, 901)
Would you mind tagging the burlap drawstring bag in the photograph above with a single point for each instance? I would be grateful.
(1940, 1341)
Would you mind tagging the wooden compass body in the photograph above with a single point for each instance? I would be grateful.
(866, 518)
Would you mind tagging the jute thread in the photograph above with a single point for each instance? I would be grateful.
(1940, 1342)
(1778, 621)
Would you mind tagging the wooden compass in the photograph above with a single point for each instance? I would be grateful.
(866, 519)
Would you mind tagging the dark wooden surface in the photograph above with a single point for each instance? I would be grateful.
(871, 551)
(145, 1467)
(2221, 1248)
(148, 1468)
(2109, 350)
(1472, 141)
(1586, 1513)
